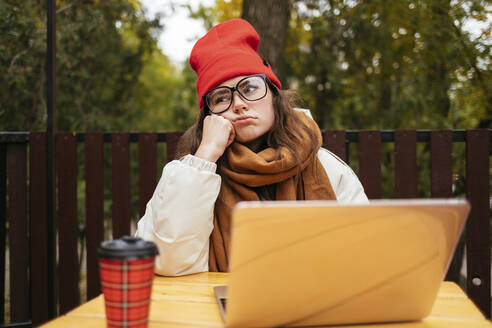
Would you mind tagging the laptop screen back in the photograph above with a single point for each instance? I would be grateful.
(318, 262)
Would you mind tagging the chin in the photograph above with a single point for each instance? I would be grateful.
(253, 143)
(245, 140)
(248, 135)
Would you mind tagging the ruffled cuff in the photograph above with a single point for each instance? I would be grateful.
(199, 163)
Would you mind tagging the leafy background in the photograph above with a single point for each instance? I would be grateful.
(357, 64)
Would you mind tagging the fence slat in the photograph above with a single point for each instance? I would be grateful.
(38, 228)
(478, 225)
(441, 163)
(18, 241)
(94, 207)
(370, 163)
(441, 184)
(147, 168)
(334, 141)
(172, 139)
(120, 152)
(68, 266)
(406, 177)
(3, 226)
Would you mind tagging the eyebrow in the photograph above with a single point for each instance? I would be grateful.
(220, 91)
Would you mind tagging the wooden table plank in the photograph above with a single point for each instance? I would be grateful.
(189, 302)
(455, 307)
(186, 312)
(211, 278)
(428, 324)
(77, 321)
(448, 289)
(183, 292)
(74, 321)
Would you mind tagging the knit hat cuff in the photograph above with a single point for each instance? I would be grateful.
(232, 65)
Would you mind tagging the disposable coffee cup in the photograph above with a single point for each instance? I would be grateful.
(126, 268)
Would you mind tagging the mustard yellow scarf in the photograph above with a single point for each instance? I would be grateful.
(242, 171)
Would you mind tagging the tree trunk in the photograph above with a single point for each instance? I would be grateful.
(270, 18)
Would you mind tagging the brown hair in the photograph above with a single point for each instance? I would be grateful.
(283, 133)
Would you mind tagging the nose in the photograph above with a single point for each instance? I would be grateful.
(239, 103)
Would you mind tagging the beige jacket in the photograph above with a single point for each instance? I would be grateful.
(179, 216)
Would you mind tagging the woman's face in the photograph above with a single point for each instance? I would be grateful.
(251, 119)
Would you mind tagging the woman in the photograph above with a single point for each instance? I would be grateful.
(248, 143)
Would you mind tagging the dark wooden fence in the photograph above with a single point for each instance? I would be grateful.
(23, 201)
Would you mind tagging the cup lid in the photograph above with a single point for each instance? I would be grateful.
(127, 248)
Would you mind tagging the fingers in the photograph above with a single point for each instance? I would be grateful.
(232, 136)
(214, 122)
(218, 133)
(223, 129)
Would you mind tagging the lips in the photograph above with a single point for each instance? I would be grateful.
(244, 119)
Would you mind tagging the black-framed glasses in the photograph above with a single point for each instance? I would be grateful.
(250, 88)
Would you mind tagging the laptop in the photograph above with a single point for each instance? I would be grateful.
(311, 263)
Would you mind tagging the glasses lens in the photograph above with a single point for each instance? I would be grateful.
(219, 100)
(252, 88)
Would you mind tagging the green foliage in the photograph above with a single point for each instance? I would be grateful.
(101, 47)
(22, 56)
(221, 11)
(165, 95)
(391, 64)
(357, 64)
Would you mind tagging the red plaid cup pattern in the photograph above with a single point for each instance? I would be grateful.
(127, 286)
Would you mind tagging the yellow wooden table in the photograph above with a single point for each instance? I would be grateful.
(189, 301)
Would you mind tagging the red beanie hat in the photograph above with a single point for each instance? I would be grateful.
(228, 50)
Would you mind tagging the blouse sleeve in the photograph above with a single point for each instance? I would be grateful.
(344, 182)
(179, 216)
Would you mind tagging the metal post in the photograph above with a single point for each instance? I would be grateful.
(50, 158)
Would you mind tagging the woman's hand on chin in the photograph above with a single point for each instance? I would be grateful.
(218, 134)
